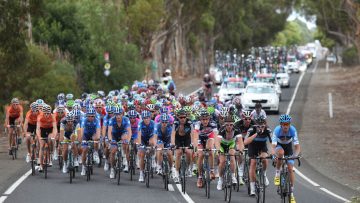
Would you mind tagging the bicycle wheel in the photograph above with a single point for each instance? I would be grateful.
(60, 159)
(147, 172)
(118, 166)
(225, 186)
(246, 177)
(260, 197)
(228, 185)
(131, 162)
(88, 162)
(46, 162)
(166, 175)
(183, 175)
(33, 159)
(208, 184)
(237, 185)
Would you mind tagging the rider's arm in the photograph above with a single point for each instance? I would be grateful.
(109, 132)
(7, 117)
(273, 142)
(296, 143)
(139, 134)
(173, 136)
(239, 142)
(38, 131)
(54, 130)
(62, 131)
(25, 126)
(249, 138)
(21, 117)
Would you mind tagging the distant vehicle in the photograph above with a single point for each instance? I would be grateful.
(312, 47)
(283, 79)
(270, 79)
(331, 58)
(263, 93)
(231, 87)
(292, 64)
(218, 76)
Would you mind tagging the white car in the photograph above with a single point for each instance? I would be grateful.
(270, 79)
(218, 77)
(292, 64)
(263, 93)
(231, 87)
(283, 79)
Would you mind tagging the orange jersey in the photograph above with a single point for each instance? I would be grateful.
(46, 122)
(14, 113)
(58, 117)
(32, 117)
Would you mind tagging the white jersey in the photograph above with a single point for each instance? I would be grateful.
(255, 115)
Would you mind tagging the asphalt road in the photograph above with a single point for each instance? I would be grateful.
(102, 189)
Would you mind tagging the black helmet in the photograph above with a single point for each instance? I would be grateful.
(260, 119)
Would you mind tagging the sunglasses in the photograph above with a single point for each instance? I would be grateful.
(164, 122)
(132, 118)
(205, 119)
(182, 117)
(248, 119)
(285, 124)
(98, 107)
(261, 126)
(229, 124)
(146, 117)
(90, 116)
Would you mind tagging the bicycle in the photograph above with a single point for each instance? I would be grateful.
(60, 157)
(148, 165)
(206, 171)
(70, 159)
(227, 177)
(260, 179)
(101, 150)
(89, 159)
(46, 155)
(284, 189)
(183, 167)
(15, 142)
(165, 166)
(119, 161)
(246, 177)
(132, 156)
(33, 153)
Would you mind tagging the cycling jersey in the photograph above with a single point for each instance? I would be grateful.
(258, 145)
(106, 123)
(89, 127)
(14, 113)
(100, 116)
(69, 129)
(157, 119)
(280, 137)
(255, 115)
(58, 119)
(46, 121)
(184, 139)
(240, 125)
(228, 140)
(31, 117)
(119, 131)
(163, 137)
(205, 132)
(134, 128)
(147, 131)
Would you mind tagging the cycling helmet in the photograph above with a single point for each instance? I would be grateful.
(40, 102)
(187, 99)
(229, 119)
(203, 113)
(187, 109)
(109, 109)
(90, 111)
(164, 117)
(69, 117)
(285, 118)
(143, 94)
(246, 114)
(224, 112)
(145, 114)
(181, 112)
(98, 103)
(150, 107)
(69, 96)
(132, 114)
(70, 103)
(164, 110)
(47, 109)
(77, 106)
(33, 106)
(211, 109)
(61, 96)
(78, 101)
(60, 109)
(84, 95)
(117, 110)
(101, 93)
(15, 101)
(260, 120)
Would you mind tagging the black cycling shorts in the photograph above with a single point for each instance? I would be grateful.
(45, 132)
(31, 128)
(12, 120)
(255, 148)
(288, 149)
(182, 141)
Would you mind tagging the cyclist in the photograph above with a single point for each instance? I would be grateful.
(30, 127)
(163, 131)
(227, 139)
(14, 114)
(90, 130)
(258, 111)
(256, 139)
(181, 137)
(146, 138)
(59, 115)
(205, 132)
(243, 125)
(69, 129)
(45, 128)
(119, 129)
(284, 136)
(105, 141)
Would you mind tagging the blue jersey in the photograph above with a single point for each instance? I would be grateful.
(164, 137)
(90, 127)
(147, 131)
(119, 130)
(106, 123)
(280, 137)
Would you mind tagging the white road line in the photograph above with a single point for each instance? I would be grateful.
(17, 183)
(2, 199)
(334, 195)
(194, 91)
(327, 67)
(186, 196)
(171, 188)
(330, 105)
(316, 65)
(295, 92)
(297, 171)
(306, 178)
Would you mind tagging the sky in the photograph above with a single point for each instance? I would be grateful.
(294, 15)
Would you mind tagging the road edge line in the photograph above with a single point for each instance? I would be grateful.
(3, 198)
(186, 196)
(17, 183)
(301, 174)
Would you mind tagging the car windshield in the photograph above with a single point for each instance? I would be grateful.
(266, 80)
(260, 90)
(234, 85)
